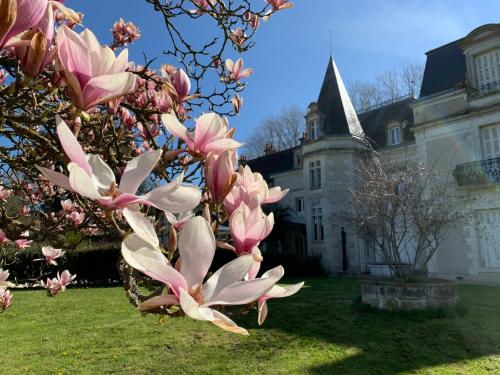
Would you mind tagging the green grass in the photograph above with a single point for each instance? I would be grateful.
(318, 331)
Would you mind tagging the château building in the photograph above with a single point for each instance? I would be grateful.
(453, 125)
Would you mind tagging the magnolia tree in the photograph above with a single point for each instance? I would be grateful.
(405, 211)
(84, 131)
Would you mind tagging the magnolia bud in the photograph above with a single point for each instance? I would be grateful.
(8, 13)
(172, 240)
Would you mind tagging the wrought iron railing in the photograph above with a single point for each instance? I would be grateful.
(478, 172)
(486, 89)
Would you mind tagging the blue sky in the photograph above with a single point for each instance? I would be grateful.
(292, 49)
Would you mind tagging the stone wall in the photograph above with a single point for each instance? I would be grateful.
(399, 295)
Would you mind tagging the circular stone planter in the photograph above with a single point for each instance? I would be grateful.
(401, 295)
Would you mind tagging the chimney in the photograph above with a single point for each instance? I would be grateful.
(269, 149)
(303, 137)
(243, 160)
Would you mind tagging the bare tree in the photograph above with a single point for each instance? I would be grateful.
(405, 212)
(282, 131)
(411, 74)
(388, 86)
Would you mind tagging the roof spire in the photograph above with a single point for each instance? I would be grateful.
(334, 103)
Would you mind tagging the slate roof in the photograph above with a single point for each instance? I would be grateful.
(444, 70)
(279, 161)
(334, 103)
(374, 122)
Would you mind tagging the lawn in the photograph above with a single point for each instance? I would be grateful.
(318, 331)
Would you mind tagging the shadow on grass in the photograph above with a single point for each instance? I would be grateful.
(384, 342)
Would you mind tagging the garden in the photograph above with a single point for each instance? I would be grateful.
(321, 330)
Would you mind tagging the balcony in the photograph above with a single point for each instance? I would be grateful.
(478, 172)
(484, 90)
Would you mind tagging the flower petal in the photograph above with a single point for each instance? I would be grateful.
(71, 146)
(192, 309)
(174, 199)
(102, 174)
(175, 128)
(83, 184)
(197, 250)
(107, 87)
(242, 292)
(137, 170)
(56, 178)
(274, 195)
(158, 301)
(222, 321)
(209, 126)
(228, 274)
(223, 144)
(141, 226)
(142, 256)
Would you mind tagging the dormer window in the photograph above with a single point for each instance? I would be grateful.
(314, 130)
(394, 135)
(487, 67)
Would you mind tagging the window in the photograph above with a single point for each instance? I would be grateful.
(490, 138)
(488, 72)
(395, 135)
(317, 224)
(487, 224)
(314, 130)
(299, 204)
(298, 160)
(315, 174)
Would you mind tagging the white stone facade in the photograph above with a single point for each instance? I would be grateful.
(451, 126)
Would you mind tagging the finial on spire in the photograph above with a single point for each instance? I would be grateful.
(330, 42)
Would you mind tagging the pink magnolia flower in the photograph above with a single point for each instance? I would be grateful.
(38, 54)
(252, 19)
(51, 254)
(4, 275)
(17, 17)
(279, 4)
(181, 83)
(125, 33)
(204, 5)
(24, 210)
(251, 189)
(3, 236)
(68, 205)
(236, 71)
(93, 73)
(58, 284)
(76, 217)
(248, 227)
(5, 299)
(153, 130)
(162, 102)
(3, 76)
(92, 178)
(197, 249)
(238, 36)
(22, 243)
(210, 134)
(4, 194)
(178, 221)
(219, 174)
(275, 292)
